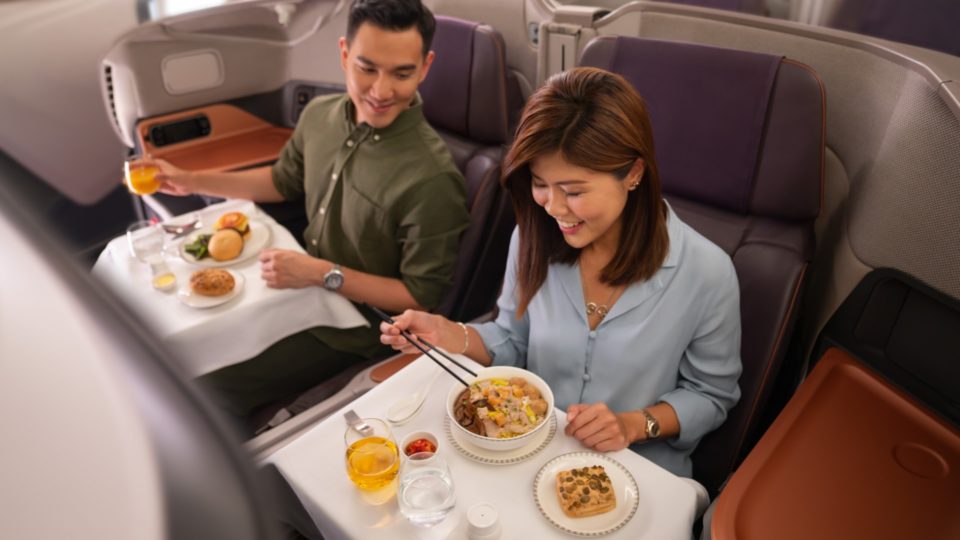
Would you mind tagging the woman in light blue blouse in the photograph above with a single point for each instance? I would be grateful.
(630, 316)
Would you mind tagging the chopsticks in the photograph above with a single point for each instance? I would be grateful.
(413, 341)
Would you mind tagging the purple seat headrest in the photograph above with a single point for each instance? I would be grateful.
(717, 139)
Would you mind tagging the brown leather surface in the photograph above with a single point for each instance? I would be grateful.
(392, 365)
(849, 457)
(237, 139)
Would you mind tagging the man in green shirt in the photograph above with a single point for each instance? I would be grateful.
(385, 203)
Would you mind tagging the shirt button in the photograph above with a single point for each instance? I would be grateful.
(314, 241)
(592, 334)
(323, 211)
(349, 143)
(586, 377)
(333, 176)
(376, 137)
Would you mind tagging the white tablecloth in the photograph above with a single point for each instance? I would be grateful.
(208, 339)
(313, 464)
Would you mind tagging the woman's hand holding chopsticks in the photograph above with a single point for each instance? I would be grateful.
(420, 324)
(433, 330)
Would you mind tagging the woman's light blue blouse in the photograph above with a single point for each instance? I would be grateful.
(674, 338)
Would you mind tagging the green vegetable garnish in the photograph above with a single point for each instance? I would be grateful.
(198, 248)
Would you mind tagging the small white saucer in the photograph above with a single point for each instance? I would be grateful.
(508, 457)
(199, 301)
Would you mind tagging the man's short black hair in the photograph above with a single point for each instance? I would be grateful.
(396, 15)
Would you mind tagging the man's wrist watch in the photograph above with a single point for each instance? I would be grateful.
(333, 279)
(652, 427)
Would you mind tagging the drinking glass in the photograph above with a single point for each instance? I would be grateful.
(372, 458)
(146, 242)
(426, 492)
(141, 176)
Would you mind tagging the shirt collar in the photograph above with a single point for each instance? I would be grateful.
(407, 119)
(675, 233)
(635, 294)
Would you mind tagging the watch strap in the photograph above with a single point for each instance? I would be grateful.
(651, 427)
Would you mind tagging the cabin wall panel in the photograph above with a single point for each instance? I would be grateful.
(904, 212)
(248, 68)
(317, 57)
(55, 120)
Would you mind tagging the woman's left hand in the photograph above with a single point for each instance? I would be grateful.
(599, 428)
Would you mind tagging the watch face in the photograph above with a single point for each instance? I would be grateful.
(333, 280)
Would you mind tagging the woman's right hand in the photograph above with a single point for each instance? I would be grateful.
(432, 328)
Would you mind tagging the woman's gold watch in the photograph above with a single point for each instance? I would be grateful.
(652, 427)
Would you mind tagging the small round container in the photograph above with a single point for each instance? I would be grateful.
(164, 282)
(483, 522)
(417, 435)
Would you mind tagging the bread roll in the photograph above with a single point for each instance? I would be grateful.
(212, 282)
(225, 245)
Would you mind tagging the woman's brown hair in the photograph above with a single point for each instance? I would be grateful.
(598, 121)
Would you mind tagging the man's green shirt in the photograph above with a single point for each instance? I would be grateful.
(388, 202)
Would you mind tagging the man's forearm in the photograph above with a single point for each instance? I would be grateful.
(388, 294)
(252, 184)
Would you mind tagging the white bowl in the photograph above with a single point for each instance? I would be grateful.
(501, 372)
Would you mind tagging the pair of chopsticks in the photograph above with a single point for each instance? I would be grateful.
(414, 341)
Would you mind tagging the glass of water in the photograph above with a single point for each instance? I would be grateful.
(146, 242)
(426, 492)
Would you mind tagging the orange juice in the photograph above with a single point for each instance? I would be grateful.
(373, 462)
(142, 179)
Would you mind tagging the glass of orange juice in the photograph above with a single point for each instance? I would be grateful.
(372, 457)
(141, 176)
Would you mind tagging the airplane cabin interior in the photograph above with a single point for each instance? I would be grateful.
(815, 142)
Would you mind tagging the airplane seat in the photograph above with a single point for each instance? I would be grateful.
(474, 101)
(740, 146)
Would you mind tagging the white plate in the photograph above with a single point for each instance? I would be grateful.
(200, 301)
(259, 238)
(624, 485)
(508, 457)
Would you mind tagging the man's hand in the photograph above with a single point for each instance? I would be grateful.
(173, 180)
(286, 269)
(599, 428)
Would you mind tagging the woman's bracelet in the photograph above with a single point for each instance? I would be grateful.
(466, 338)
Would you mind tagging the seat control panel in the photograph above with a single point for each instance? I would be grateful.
(179, 131)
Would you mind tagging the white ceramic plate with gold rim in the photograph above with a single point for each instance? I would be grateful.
(471, 451)
(260, 234)
(624, 485)
(199, 301)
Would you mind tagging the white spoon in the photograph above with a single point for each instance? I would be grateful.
(406, 408)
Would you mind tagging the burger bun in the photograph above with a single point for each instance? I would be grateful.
(225, 245)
